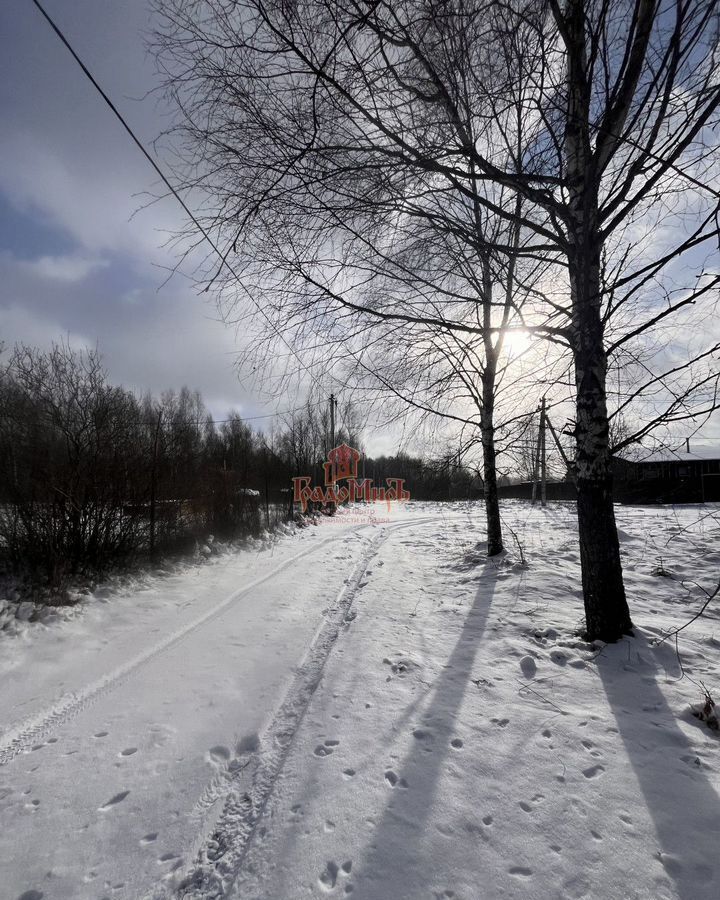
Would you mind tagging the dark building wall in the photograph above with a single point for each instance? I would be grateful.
(666, 481)
(556, 490)
(637, 485)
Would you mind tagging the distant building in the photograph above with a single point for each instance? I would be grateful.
(669, 476)
(690, 475)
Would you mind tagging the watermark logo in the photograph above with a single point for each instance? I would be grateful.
(342, 484)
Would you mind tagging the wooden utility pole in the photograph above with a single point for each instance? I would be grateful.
(536, 466)
(540, 465)
(566, 460)
(333, 405)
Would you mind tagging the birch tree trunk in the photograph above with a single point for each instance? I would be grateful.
(606, 611)
(607, 616)
(487, 434)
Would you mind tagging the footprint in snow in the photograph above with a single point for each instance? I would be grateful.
(392, 779)
(248, 744)
(501, 723)
(528, 666)
(593, 771)
(31, 895)
(325, 749)
(400, 666)
(219, 754)
(128, 751)
(520, 871)
(329, 876)
(456, 743)
(101, 734)
(113, 801)
(149, 838)
(529, 805)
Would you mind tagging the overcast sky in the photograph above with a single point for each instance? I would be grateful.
(72, 262)
(75, 262)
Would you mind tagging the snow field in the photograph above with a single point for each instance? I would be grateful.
(465, 744)
(376, 712)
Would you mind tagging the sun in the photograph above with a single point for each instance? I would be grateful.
(516, 342)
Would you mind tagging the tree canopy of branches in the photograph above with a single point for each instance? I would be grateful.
(324, 135)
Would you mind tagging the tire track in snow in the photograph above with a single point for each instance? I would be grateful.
(24, 735)
(221, 856)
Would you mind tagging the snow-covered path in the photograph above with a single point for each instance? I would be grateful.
(121, 728)
(375, 712)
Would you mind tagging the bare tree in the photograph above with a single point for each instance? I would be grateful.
(315, 130)
(355, 250)
(71, 450)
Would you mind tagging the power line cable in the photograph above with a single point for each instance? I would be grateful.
(174, 192)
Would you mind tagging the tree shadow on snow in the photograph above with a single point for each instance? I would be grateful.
(680, 799)
(394, 864)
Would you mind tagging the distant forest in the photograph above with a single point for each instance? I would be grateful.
(93, 477)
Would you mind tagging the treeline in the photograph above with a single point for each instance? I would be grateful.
(93, 477)
(436, 479)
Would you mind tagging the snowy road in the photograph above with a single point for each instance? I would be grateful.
(375, 712)
(157, 701)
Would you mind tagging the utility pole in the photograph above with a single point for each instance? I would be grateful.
(540, 465)
(333, 401)
(536, 466)
(568, 463)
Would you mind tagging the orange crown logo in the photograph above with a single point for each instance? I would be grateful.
(342, 463)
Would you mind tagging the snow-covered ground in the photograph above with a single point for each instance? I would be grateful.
(375, 711)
